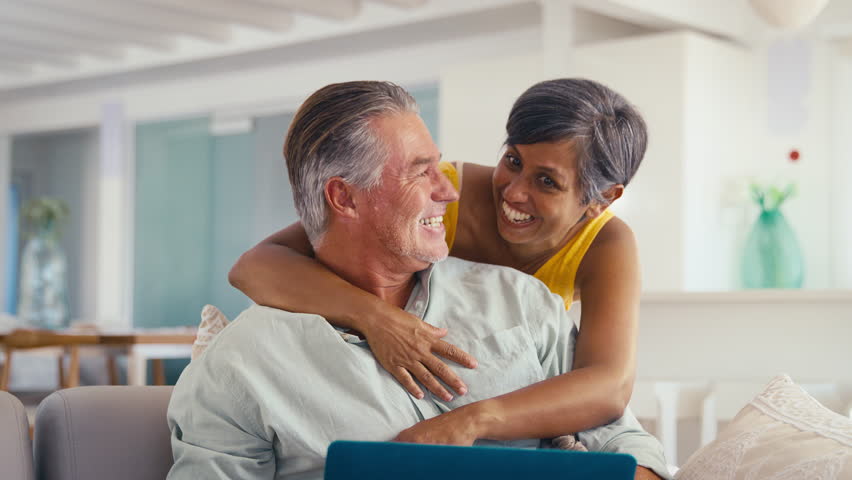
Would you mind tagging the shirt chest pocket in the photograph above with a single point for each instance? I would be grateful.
(508, 360)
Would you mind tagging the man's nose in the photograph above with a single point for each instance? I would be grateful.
(443, 189)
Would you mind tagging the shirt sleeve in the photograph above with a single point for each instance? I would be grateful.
(557, 336)
(215, 427)
(626, 435)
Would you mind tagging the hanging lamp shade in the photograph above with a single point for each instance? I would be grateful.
(788, 14)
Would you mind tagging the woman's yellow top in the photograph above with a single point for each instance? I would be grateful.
(557, 273)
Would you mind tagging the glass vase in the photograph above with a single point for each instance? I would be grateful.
(43, 289)
(772, 257)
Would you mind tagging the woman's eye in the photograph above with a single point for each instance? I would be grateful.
(513, 160)
(548, 182)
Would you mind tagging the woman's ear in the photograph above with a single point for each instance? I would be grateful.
(339, 197)
(610, 195)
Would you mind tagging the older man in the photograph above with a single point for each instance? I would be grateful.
(275, 388)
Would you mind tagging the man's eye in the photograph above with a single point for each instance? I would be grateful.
(424, 173)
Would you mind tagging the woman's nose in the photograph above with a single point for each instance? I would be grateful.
(515, 191)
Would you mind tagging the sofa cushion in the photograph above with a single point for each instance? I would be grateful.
(783, 433)
(103, 432)
(16, 454)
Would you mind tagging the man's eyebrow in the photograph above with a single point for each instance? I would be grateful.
(423, 161)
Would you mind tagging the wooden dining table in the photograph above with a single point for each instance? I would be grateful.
(138, 345)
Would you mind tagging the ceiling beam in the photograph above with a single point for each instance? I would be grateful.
(14, 68)
(29, 55)
(55, 41)
(329, 9)
(38, 51)
(153, 19)
(230, 11)
(37, 16)
(731, 19)
(404, 3)
(12, 64)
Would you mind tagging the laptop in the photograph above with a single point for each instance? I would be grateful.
(393, 461)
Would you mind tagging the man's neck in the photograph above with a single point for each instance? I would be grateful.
(385, 278)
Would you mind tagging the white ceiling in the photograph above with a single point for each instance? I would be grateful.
(43, 41)
(52, 41)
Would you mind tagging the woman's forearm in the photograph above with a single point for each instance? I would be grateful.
(277, 276)
(575, 401)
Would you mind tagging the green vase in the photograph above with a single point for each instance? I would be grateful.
(772, 256)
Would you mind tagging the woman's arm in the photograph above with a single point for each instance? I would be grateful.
(598, 388)
(280, 272)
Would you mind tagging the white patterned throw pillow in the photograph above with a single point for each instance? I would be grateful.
(782, 434)
(212, 322)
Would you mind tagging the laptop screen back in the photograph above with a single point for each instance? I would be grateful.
(392, 461)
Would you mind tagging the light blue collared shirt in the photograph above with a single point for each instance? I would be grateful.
(275, 388)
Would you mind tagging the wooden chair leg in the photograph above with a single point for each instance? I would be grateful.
(7, 370)
(60, 363)
(112, 368)
(159, 371)
(74, 367)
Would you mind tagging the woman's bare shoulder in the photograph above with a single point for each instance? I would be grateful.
(476, 176)
(616, 231)
(476, 234)
(613, 248)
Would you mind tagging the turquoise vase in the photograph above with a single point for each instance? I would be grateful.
(772, 256)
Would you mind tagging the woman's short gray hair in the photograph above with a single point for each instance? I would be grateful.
(332, 136)
(609, 134)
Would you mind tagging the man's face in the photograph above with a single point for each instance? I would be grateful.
(405, 211)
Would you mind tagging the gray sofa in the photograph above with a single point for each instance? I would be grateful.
(16, 454)
(109, 432)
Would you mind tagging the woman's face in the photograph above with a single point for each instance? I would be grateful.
(537, 195)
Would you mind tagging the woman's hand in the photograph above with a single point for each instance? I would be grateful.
(408, 348)
(643, 473)
(456, 427)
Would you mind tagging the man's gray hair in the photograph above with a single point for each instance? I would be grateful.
(332, 136)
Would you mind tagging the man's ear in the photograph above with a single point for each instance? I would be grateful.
(610, 195)
(339, 197)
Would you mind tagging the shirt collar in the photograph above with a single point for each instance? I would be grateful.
(418, 301)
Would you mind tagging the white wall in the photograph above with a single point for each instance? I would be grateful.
(841, 172)
(721, 86)
(477, 95)
(651, 204)
(473, 126)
